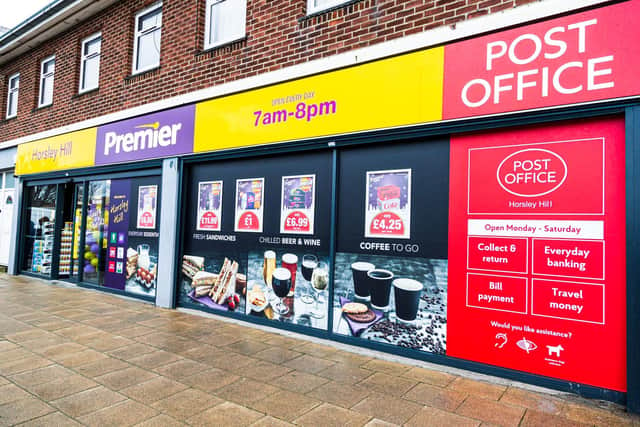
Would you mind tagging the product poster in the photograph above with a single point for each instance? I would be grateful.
(249, 205)
(388, 206)
(140, 253)
(392, 287)
(537, 251)
(297, 207)
(209, 205)
(119, 202)
(266, 274)
(147, 204)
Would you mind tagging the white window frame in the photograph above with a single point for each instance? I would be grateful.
(43, 77)
(241, 26)
(138, 33)
(84, 58)
(312, 8)
(10, 92)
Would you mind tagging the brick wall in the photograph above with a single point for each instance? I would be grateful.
(278, 35)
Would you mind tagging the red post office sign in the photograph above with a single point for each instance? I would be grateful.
(537, 251)
(583, 57)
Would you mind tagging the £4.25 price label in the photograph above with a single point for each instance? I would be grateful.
(297, 222)
(387, 223)
(248, 221)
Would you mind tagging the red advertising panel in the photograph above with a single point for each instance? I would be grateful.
(583, 57)
(531, 286)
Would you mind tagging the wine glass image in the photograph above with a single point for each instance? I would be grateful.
(319, 281)
(281, 284)
(268, 265)
(309, 263)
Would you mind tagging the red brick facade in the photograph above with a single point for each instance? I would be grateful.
(279, 34)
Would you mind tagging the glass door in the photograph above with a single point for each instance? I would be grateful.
(96, 232)
(40, 229)
(77, 230)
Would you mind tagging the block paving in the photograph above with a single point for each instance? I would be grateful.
(72, 356)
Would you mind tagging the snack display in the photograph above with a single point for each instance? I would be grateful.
(66, 242)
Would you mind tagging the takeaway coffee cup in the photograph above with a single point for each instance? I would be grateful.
(360, 280)
(407, 294)
(380, 286)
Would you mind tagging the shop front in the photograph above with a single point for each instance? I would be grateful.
(470, 205)
(98, 222)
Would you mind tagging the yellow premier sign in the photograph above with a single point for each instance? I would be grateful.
(68, 151)
(399, 91)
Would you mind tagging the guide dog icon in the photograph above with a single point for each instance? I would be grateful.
(555, 349)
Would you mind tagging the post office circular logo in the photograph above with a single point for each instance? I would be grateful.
(532, 172)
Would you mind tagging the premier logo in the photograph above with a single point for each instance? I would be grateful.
(149, 136)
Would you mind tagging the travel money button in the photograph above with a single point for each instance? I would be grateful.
(583, 302)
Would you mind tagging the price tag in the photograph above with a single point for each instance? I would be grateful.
(297, 221)
(387, 223)
(209, 221)
(248, 221)
(146, 220)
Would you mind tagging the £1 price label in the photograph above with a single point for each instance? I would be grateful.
(248, 221)
(297, 221)
(387, 223)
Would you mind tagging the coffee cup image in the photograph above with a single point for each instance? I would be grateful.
(359, 271)
(379, 281)
(407, 297)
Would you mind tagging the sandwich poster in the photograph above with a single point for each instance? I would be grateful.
(297, 205)
(147, 204)
(388, 204)
(209, 206)
(249, 205)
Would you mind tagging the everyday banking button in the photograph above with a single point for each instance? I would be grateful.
(569, 258)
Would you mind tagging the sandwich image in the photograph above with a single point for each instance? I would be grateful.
(204, 278)
(132, 262)
(225, 285)
(191, 265)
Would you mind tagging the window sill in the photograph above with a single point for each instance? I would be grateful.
(327, 11)
(228, 46)
(42, 107)
(8, 119)
(142, 74)
(86, 92)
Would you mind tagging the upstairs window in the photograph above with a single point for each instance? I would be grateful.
(13, 86)
(90, 63)
(226, 22)
(47, 71)
(146, 48)
(314, 6)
